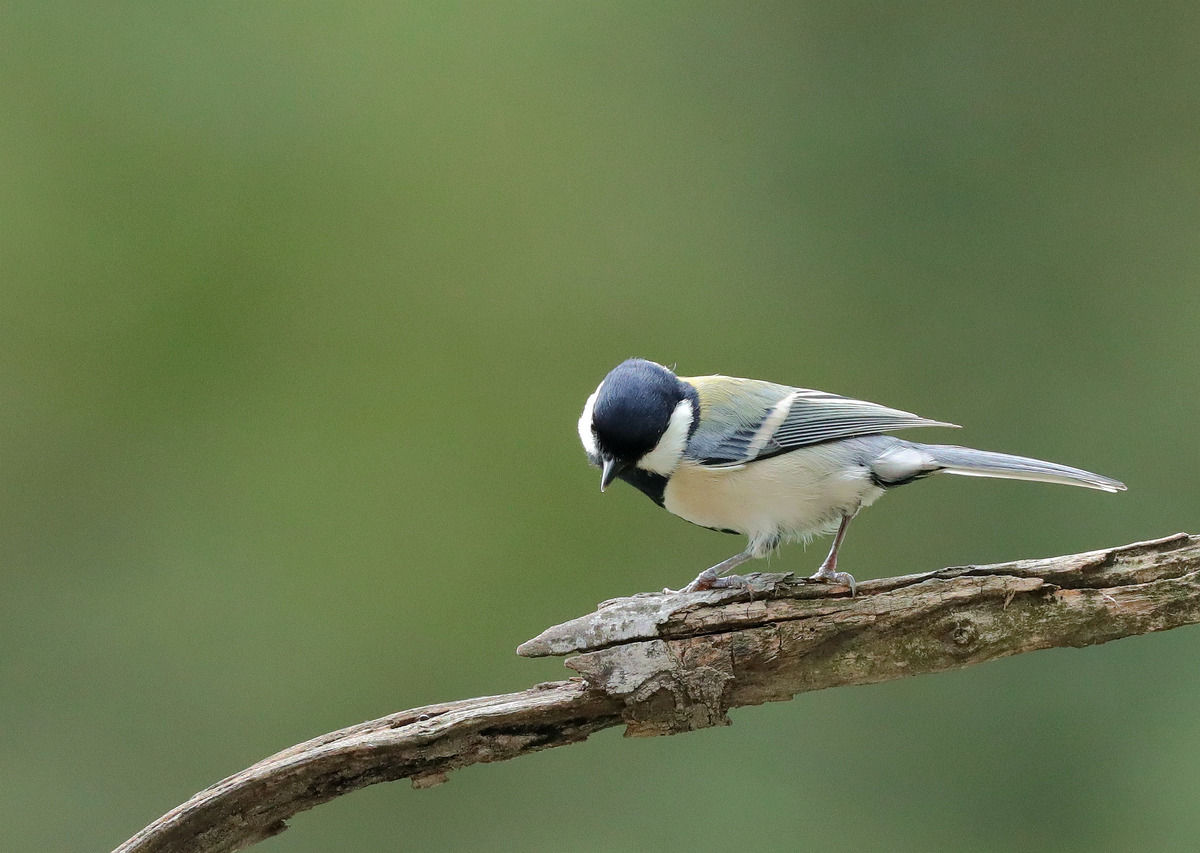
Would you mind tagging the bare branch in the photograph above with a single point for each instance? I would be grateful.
(423, 744)
(667, 663)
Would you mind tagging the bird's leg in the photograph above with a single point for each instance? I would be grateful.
(715, 578)
(828, 572)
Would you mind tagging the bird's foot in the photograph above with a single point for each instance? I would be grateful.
(707, 579)
(712, 579)
(828, 574)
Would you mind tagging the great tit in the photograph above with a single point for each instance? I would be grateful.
(771, 462)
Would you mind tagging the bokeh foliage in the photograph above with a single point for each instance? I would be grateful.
(300, 302)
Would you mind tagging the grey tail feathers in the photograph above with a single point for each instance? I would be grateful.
(984, 463)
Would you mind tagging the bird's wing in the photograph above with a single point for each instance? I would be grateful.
(742, 420)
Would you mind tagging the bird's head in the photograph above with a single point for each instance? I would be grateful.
(641, 417)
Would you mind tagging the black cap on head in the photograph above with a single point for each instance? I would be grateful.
(633, 408)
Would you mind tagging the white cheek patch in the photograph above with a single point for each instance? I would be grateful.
(585, 427)
(665, 456)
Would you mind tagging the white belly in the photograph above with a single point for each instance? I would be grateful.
(796, 495)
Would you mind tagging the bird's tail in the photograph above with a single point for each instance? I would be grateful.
(984, 463)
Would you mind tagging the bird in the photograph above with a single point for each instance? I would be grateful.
(771, 462)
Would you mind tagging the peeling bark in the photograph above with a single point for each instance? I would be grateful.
(668, 663)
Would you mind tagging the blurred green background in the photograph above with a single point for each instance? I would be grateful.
(300, 303)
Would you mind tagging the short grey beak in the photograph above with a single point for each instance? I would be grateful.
(611, 469)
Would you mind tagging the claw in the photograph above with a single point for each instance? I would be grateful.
(828, 572)
(707, 579)
(827, 575)
(711, 578)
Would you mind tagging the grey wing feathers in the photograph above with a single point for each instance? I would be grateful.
(744, 419)
(815, 417)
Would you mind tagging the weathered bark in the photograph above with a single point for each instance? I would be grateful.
(423, 744)
(668, 663)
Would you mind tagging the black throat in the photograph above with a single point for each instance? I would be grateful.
(653, 486)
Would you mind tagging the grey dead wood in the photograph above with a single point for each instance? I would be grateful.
(668, 663)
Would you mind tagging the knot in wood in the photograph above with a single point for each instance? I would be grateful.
(665, 687)
(964, 635)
